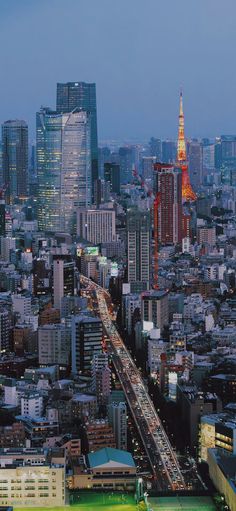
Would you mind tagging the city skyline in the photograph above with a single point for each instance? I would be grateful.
(117, 255)
(137, 69)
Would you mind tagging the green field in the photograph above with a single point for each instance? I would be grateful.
(181, 504)
(93, 501)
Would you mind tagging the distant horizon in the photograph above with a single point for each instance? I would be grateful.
(139, 55)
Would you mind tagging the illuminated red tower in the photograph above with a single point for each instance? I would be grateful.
(187, 191)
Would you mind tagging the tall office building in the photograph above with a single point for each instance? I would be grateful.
(169, 186)
(86, 333)
(112, 175)
(195, 155)
(96, 225)
(155, 148)
(63, 280)
(168, 151)
(15, 159)
(138, 246)
(148, 167)
(82, 96)
(127, 158)
(64, 168)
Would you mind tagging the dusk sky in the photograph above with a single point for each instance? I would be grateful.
(139, 53)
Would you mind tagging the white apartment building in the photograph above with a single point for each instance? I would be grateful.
(96, 225)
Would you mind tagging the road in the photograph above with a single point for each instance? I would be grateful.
(162, 457)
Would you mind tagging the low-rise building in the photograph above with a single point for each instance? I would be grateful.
(222, 473)
(31, 476)
(99, 435)
(110, 469)
(217, 430)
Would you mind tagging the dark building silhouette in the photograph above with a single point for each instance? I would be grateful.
(15, 159)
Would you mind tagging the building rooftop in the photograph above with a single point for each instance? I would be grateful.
(225, 418)
(84, 398)
(104, 456)
(226, 377)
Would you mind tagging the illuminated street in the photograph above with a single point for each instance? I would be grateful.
(161, 455)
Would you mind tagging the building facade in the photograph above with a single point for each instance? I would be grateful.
(96, 225)
(169, 187)
(64, 168)
(15, 159)
(138, 248)
(86, 341)
(81, 96)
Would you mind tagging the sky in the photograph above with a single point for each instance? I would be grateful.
(139, 53)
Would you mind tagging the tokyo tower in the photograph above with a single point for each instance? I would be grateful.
(187, 191)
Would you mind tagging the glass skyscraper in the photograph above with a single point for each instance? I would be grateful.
(63, 167)
(15, 159)
(82, 96)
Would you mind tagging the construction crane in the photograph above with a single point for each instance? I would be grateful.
(156, 204)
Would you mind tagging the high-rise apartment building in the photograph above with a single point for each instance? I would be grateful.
(101, 378)
(118, 420)
(15, 159)
(96, 225)
(138, 248)
(169, 186)
(112, 175)
(64, 168)
(86, 334)
(81, 96)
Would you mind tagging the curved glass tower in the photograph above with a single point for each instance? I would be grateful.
(63, 167)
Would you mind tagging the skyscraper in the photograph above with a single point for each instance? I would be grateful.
(187, 192)
(169, 186)
(195, 154)
(127, 159)
(112, 175)
(138, 246)
(148, 167)
(155, 148)
(168, 151)
(63, 280)
(82, 96)
(86, 341)
(64, 168)
(15, 159)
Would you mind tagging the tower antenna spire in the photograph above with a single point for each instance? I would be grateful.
(187, 191)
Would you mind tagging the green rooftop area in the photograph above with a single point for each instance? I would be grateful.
(94, 501)
(181, 504)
